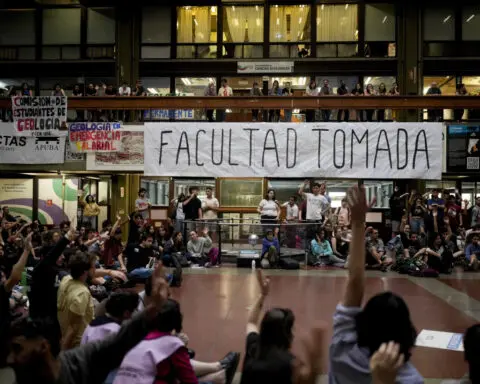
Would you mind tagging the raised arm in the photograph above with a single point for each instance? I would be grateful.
(116, 225)
(356, 267)
(301, 190)
(102, 357)
(255, 312)
(19, 267)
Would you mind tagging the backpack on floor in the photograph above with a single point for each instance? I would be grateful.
(289, 263)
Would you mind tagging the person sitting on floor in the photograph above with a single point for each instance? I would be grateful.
(163, 358)
(268, 359)
(359, 332)
(472, 253)
(323, 253)
(36, 356)
(118, 308)
(226, 364)
(270, 250)
(201, 248)
(138, 257)
(376, 252)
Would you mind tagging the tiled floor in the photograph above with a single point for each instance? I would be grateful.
(215, 304)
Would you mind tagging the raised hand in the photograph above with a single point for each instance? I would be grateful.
(160, 290)
(357, 200)
(27, 244)
(263, 283)
(308, 371)
(385, 363)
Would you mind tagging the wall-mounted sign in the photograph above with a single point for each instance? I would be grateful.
(95, 137)
(39, 115)
(328, 150)
(130, 158)
(265, 67)
(29, 150)
(167, 114)
(463, 148)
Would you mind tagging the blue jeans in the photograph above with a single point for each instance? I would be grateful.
(140, 273)
(416, 223)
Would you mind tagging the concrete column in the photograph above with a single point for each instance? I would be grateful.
(410, 72)
(128, 44)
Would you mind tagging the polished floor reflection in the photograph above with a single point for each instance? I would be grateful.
(215, 304)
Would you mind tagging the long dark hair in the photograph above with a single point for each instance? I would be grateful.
(170, 317)
(268, 191)
(276, 331)
(386, 318)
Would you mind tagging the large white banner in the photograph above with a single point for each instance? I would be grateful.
(39, 115)
(343, 150)
(29, 150)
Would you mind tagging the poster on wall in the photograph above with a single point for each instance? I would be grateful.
(39, 116)
(130, 158)
(169, 114)
(95, 137)
(345, 150)
(54, 203)
(463, 148)
(29, 150)
(17, 194)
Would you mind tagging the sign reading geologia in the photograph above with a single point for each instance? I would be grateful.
(39, 115)
(95, 137)
(329, 150)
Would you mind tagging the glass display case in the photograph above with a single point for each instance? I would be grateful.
(240, 193)
(157, 190)
(183, 185)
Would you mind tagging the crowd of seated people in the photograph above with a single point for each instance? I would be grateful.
(66, 336)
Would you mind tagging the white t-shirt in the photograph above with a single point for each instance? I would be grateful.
(210, 203)
(316, 206)
(225, 91)
(292, 211)
(124, 91)
(180, 215)
(268, 208)
(142, 206)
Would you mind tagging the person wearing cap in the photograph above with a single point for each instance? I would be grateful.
(436, 204)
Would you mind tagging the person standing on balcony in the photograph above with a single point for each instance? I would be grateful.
(274, 114)
(139, 91)
(311, 91)
(326, 90)
(358, 91)
(58, 91)
(91, 91)
(369, 91)
(461, 91)
(26, 90)
(343, 91)
(382, 91)
(125, 91)
(434, 114)
(77, 92)
(255, 92)
(287, 113)
(210, 91)
(224, 91)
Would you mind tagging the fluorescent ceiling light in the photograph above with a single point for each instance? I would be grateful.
(447, 18)
(368, 80)
(346, 6)
(186, 81)
(152, 90)
(470, 18)
(384, 19)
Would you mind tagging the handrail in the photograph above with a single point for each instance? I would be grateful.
(270, 102)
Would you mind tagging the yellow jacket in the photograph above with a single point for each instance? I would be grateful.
(91, 209)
